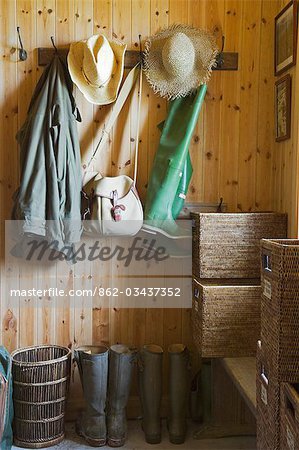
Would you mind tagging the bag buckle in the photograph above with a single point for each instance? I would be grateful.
(116, 210)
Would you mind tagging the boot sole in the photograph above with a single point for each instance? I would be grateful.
(116, 442)
(153, 440)
(92, 442)
(177, 439)
(155, 230)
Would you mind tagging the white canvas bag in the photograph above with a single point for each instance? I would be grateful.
(114, 205)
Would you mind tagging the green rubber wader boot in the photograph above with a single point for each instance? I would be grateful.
(182, 190)
(183, 185)
(169, 163)
(179, 387)
(121, 359)
(150, 386)
(93, 368)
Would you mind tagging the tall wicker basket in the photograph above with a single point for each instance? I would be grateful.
(267, 405)
(280, 307)
(40, 386)
(289, 416)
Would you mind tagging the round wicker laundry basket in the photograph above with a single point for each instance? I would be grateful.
(40, 386)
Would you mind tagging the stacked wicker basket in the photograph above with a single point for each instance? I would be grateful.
(278, 351)
(226, 280)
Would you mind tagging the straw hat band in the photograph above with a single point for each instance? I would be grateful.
(103, 83)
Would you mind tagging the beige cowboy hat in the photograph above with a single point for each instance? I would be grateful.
(178, 59)
(96, 66)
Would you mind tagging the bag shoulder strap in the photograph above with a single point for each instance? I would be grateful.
(123, 95)
(137, 126)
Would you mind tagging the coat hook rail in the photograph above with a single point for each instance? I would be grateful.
(132, 57)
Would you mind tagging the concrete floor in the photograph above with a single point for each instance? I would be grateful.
(136, 441)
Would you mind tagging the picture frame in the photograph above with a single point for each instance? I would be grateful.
(285, 48)
(283, 94)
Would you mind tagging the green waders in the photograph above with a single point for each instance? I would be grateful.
(172, 167)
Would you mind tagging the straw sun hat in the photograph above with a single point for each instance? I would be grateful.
(96, 66)
(178, 59)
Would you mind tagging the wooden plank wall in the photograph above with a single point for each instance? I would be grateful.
(232, 147)
(285, 156)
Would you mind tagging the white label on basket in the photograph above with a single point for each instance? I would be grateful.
(264, 396)
(290, 439)
(267, 289)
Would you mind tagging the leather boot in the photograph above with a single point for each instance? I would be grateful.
(150, 386)
(179, 386)
(93, 368)
(121, 360)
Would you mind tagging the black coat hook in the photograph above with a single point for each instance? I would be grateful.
(53, 43)
(140, 50)
(22, 51)
(219, 59)
(219, 207)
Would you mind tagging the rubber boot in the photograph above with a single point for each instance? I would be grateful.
(179, 386)
(93, 368)
(150, 385)
(182, 190)
(121, 360)
(169, 164)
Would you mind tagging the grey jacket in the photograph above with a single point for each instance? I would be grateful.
(50, 182)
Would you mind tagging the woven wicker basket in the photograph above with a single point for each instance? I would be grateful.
(267, 406)
(227, 245)
(40, 387)
(289, 416)
(226, 317)
(280, 308)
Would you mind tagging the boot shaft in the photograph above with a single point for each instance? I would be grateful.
(92, 363)
(150, 388)
(179, 386)
(150, 374)
(121, 361)
(178, 378)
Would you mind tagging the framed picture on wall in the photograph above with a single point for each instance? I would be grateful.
(283, 108)
(286, 38)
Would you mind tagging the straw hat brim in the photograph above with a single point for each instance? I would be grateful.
(98, 95)
(161, 81)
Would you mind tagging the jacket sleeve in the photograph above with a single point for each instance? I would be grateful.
(30, 200)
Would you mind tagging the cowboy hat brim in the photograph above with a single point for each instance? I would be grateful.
(102, 95)
(172, 87)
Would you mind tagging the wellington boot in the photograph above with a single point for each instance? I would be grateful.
(150, 385)
(179, 386)
(93, 368)
(170, 161)
(121, 360)
(182, 190)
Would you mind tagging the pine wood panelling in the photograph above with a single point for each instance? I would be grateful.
(9, 163)
(214, 17)
(265, 127)
(196, 18)
(248, 105)
(230, 108)
(233, 150)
